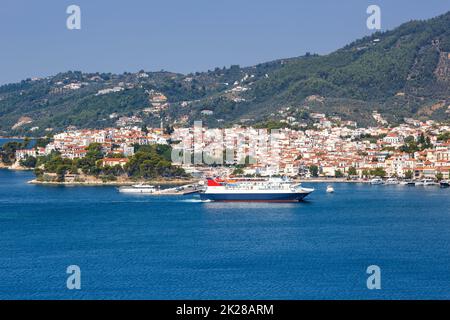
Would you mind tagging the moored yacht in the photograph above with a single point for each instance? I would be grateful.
(376, 181)
(138, 188)
(426, 182)
(429, 182)
(410, 183)
(392, 181)
(444, 184)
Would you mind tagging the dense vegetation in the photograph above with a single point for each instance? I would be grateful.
(411, 145)
(149, 162)
(153, 161)
(401, 73)
(8, 150)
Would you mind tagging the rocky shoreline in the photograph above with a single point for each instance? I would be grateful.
(95, 182)
(88, 181)
(330, 180)
(15, 167)
(159, 182)
(115, 183)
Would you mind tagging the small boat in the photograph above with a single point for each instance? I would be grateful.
(392, 181)
(426, 182)
(376, 181)
(330, 189)
(429, 182)
(445, 184)
(138, 188)
(409, 183)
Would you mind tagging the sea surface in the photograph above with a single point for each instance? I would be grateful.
(5, 140)
(177, 247)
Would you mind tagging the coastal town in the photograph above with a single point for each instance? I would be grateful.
(332, 148)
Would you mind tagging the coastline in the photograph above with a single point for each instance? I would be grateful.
(160, 182)
(330, 180)
(14, 167)
(175, 182)
(17, 137)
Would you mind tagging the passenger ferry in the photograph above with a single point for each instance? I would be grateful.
(254, 190)
(138, 188)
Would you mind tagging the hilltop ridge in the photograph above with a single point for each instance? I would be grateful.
(400, 73)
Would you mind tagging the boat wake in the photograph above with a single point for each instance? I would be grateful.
(195, 200)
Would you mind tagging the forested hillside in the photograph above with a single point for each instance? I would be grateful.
(400, 73)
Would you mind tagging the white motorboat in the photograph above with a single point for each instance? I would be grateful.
(376, 181)
(426, 182)
(392, 181)
(330, 189)
(138, 188)
(445, 183)
(429, 182)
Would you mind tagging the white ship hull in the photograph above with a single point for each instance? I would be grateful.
(140, 189)
(247, 192)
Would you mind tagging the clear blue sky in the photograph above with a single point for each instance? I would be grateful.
(183, 35)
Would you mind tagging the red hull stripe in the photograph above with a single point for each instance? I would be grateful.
(256, 201)
(213, 183)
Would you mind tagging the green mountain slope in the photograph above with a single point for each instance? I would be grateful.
(400, 73)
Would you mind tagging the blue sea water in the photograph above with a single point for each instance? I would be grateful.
(155, 247)
(5, 140)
